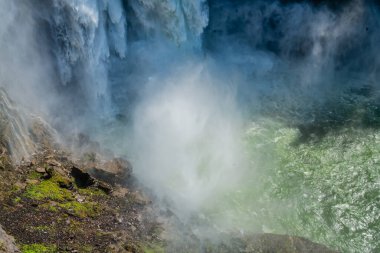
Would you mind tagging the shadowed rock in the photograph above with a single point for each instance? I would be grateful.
(82, 179)
(115, 171)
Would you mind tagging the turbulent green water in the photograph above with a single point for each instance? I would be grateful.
(326, 189)
(324, 186)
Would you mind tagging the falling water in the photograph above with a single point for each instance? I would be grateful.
(240, 116)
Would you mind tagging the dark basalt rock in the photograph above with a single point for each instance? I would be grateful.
(82, 179)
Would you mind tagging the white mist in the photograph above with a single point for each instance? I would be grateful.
(186, 140)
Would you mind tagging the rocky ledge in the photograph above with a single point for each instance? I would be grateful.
(52, 204)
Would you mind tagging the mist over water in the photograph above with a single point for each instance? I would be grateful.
(234, 113)
(186, 138)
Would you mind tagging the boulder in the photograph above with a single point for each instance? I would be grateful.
(53, 162)
(82, 178)
(40, 170)
(7, 243)
(115, 171)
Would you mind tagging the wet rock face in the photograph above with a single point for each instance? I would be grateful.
(21, 134)
(7, 244)
(14, 135)
(115, 171)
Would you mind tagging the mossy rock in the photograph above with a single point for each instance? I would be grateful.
(42, 228)
(48, 190)
(63, 182)
(91, 192)
(54, 188)
(153, 249)
(86, 249)
(81, 210)
(5, 163)
(38, 248)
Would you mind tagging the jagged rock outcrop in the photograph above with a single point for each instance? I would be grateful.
(22, 134)
(7, 243)
(14, 137)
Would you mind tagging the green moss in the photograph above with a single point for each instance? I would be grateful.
(74, 226)
(82, 210)
(86, 249)
(16, 200)
(38, 248)
(47, 190)
(15, 188)
(61, 180)
(153, 248)
(42, 228)
(5, 163)
(2, 246)
(34, 175)
(91, 192)
(51, 208)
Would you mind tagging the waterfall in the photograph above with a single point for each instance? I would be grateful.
(181, 21)
(87, 34)
(68, 50)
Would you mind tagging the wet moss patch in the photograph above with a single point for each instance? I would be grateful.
(47, 190)
(153, 248)
(91, 192)
(81, 210)
(38, 248)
